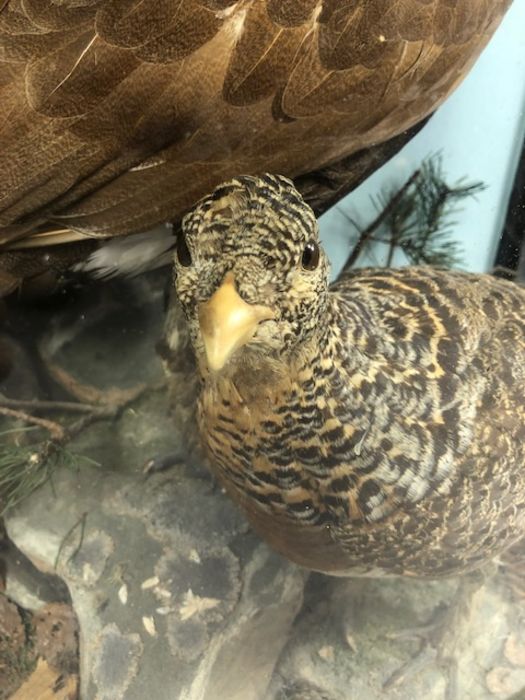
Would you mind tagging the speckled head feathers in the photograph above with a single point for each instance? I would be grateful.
(260, 232)
(269, 210)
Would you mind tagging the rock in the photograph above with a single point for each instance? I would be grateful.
(217, 601)
(116, 661)
(381, 617)
(56, 637)
(38, 652)
(15, 657)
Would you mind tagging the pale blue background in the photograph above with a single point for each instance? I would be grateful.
(479, 131)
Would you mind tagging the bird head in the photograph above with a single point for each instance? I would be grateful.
(250, 273)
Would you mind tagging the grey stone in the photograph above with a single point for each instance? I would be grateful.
(192, 613)
(116, 661)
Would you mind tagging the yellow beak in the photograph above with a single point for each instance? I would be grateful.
(227, 322)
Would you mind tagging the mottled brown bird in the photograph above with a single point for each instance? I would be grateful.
(117, 115)
(373, 426)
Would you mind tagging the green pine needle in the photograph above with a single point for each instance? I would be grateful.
(421, 220)
(26, 467)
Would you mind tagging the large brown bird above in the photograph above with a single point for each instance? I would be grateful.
(116, 115)
(373, 426)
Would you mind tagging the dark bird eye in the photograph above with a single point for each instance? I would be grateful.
(310, 256)
(183, 252)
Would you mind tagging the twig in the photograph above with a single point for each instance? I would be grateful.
(37, 405)
(26, 468)
(82, 522)
(104, 412)
(56, 431)
(391, 249)
(366, 234)
(101, 413)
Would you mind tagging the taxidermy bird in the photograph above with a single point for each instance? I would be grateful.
(117, 115)
(372, 426)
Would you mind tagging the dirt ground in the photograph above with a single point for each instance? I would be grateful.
(38, 651)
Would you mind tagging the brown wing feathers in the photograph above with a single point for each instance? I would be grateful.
(118, 115)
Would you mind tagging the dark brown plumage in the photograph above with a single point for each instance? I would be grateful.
(374, 426)
(117, 115)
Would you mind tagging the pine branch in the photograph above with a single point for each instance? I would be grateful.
(417, 218)
(383, 215)
(24, 466)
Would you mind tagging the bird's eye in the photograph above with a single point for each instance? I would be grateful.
(310, 258)
(183, 252)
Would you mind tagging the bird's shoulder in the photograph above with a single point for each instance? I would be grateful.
(414, 304)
